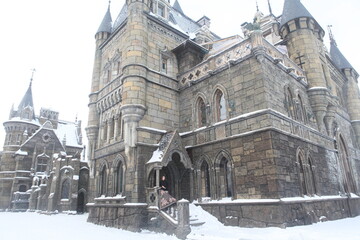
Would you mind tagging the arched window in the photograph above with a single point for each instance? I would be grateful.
(289, 102)
(220, 105)
(201, 112)
(65, 189)
(205, 180)
(348, 180)
(300, 110)
(300, 162)
(103, 181)
(312, 180)
(119, 179)
(225, 179)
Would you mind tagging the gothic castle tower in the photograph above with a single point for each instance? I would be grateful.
(271, 116)
(41, 167)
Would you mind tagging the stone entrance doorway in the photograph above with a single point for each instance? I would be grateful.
(81, 203)
(178, 178)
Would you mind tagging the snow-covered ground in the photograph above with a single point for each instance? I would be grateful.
(34, 226)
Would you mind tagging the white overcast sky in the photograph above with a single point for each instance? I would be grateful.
(57, 38)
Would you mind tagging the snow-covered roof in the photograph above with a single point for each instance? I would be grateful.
(338, 58)
(68, 131)
(177, 20)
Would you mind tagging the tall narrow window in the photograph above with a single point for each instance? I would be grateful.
(289, 103)
(302, 176)
(220, 105)
(164, 65)
(161, 10)
(348, 180)
(42, 162)
(300, 110)
(65, 189)
(204, 180)
(201, 112)
(225, 180)
(119, 178)
(103, 182)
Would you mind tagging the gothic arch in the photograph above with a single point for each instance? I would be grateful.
(200, 110)
(65, 188)
(224, 170)
(119, 169)
(289, 101)
(345, 166)
(204, 177)
(220, 103)
(300, 162)
(102, 175)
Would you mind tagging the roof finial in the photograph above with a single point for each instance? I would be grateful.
(32, 75)
(257, 6)
(331, 35)
(270, 9)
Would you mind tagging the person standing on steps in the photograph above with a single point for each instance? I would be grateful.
(166, 199)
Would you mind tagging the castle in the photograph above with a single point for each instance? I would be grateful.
(268, 123)
(261, 130)
(41, 166)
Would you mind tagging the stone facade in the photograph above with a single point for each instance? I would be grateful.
(41, 167)
(264, 127)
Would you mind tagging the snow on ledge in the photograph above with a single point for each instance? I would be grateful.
(284, 200)
(152, 129)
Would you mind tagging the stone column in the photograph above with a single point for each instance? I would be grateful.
(183, 228)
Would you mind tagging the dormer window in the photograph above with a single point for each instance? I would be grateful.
(161, 10)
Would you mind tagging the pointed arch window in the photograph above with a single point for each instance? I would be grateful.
(300, 110)
(205, 190)
(225, 178)
(302, 175)
(119, 178)
(201, 112)
(220, 105)
(65, 189)
(347, 175)
(289, 103)
(103, 181)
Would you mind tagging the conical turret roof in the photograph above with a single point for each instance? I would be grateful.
(338, 58)
(294, 9)
(106, 24)
(27, 100)
(177, 7)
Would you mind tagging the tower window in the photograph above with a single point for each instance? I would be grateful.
(164, 65)
(161, 10)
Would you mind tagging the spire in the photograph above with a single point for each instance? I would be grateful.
(106, 24)
(27, 102)
(177, 7)
(294, 9)
(270, 9)
(336, 56)
(257, 6)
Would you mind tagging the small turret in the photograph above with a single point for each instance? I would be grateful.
(105, 27)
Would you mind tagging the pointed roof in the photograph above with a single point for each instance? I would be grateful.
(177, 7)
(121, 17)
(293, 9)
(337, 57)
(27, 100)
(106, 24)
